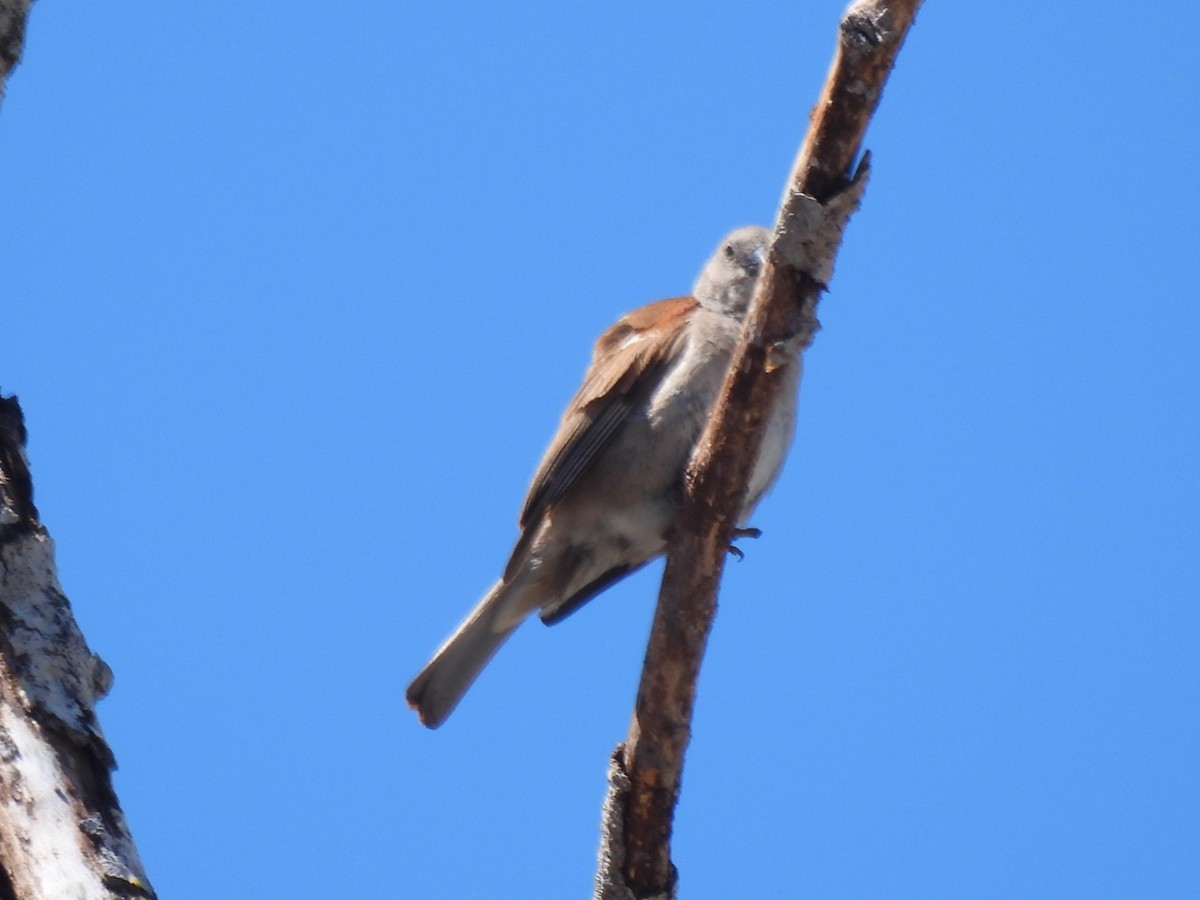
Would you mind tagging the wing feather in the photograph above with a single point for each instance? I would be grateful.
(624, 371)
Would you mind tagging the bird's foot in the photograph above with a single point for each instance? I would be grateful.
(739, 533)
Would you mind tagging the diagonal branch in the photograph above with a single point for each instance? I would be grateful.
(821, 194)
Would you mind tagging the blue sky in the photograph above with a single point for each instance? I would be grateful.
(294, 296)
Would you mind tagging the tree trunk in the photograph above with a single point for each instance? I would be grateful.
(62, 833)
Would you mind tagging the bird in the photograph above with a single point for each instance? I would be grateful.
(609, 489)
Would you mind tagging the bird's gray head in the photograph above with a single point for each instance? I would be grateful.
(727, 281)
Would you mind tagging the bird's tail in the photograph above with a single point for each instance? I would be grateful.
(441, 684)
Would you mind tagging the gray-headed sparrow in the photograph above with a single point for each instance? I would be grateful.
(606, 495)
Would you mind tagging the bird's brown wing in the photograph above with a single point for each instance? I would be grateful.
(626, 365)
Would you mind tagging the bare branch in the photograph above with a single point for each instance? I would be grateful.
(821, 195)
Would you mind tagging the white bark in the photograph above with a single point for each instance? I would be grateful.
(62, 833)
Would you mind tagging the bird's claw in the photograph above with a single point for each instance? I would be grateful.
(742, 533)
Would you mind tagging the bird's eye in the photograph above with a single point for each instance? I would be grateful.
(730, 253)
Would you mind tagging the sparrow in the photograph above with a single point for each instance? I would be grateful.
(607, 493)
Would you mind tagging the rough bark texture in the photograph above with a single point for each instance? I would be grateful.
(645, 774)
(62, 833)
